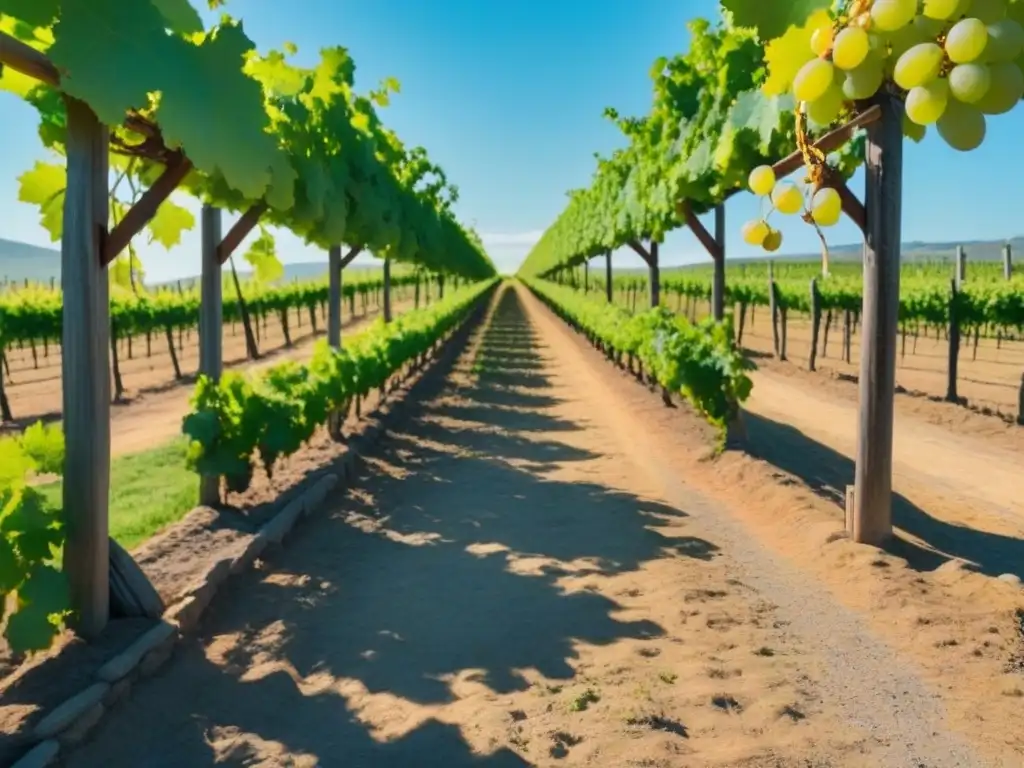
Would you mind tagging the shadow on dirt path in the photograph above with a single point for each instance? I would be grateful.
(433, 584)
(924, 540)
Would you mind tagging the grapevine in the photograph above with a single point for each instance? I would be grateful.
(952, 63)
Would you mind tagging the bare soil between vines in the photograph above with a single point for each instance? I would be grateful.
(520, 579)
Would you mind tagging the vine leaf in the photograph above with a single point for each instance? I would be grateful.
(169, 222)
(786, 54)
(136, 51)
(262, 256)
(43, 594)
(772, 19)
(38, 13)
(207, 79)
(180, 16)
(44, 186)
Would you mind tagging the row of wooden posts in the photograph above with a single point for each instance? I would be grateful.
(879, 218)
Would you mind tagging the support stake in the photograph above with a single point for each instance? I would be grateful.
(211, 325)
(86, 371)
(872, 523)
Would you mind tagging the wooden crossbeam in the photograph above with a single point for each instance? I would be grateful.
(643, 252)
(237, 233)
(145, 209)
(830, 142)
(710, 244)
(352, 253)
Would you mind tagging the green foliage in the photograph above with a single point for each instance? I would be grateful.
(270, 414)
(700, 362)
(985, 301)
(709, 124)
(257, 128)
(31, 534)
(36, 313)
(772, 19)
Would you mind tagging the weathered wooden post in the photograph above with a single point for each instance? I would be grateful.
(961, 266)
(608, 276)
(872, 519)
(654, 275)
(86, 371)
(953, 334)
(211, 324)
(387, 289)
(586, 276)
(334, 296)
(815, 324)
(718, 284)
(1007, 262)
(773, 309)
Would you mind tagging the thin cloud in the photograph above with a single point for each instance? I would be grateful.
(501, 239)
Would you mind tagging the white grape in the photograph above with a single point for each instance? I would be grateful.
(1005, 41)
(1005, 89)
(962, 126)
(825, 110)
(969, 82)
(762, 180)
(864, 81)
(927, 103)
(912, 130)
(826, 207)
(966, 41)
(988, 11)
(754, 232)
(850, 48)
(821, 40)
(773, 241)
(901, 41)
(918, 66)
(787, 199)
(893, 14)
(813, 79)
(940, 9)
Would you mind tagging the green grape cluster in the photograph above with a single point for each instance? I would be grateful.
(953, 61)
(820, 205)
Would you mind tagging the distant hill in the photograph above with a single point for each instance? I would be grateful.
(20, 262)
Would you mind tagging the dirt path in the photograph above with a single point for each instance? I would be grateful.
(956, 493)
(519, 578)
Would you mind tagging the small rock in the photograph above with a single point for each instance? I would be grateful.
(1010, 578)
(64, 715)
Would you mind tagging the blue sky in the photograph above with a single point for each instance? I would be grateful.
(507, 96)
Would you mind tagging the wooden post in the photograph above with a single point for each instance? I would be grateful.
(655, 277)
(387, 290)
(86, 371)
(586, 276)
(954, 343)
(334, 297)
(1020, 402)
(718, 284)
(773, 308)
(961, 266)
(1007, 262)
(872, 523)
(815, 324)
(608, 276)
(211, 326)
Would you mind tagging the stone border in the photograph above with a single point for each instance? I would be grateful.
(68, 724)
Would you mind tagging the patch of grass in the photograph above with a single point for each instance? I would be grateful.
(668, 677)
(584, 700)
(148, 491)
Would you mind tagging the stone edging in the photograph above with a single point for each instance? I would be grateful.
(68, 724)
